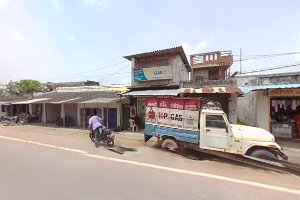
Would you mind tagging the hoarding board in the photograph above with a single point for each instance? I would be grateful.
(153, 73)
(174, 112)
(286, 92)
(151, 110)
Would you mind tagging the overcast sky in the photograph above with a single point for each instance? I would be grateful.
(72, 40)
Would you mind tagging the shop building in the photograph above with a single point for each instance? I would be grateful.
(72, 107)
(156, 73)
(166, 73)
(271, 102)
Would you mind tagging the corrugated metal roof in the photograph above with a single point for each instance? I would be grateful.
(76, 97)
(167, 92)
(178, 49)
(209, 90)
(30, 101)
(246, 89)
(102, 100)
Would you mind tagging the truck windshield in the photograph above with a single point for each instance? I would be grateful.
(215, 121)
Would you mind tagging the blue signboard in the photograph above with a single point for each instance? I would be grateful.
(179, 134)
(153, 73)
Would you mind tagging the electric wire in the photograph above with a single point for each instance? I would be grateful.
(273, 68)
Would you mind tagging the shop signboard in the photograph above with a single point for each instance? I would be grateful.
(153, 73)
(287, 92)
(151, 110)
(174, 112)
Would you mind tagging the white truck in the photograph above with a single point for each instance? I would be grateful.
(183, 122)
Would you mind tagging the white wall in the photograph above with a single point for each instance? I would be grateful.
(263, 110)
(233, 108)
(52, 112)
(254, 109)
(246, 108)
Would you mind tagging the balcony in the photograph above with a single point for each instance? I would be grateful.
(212, 59)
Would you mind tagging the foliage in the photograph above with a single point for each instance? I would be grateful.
(29, 86)
(2, 92)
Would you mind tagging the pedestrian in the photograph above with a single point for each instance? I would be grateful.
(95, 125)
(297, 120)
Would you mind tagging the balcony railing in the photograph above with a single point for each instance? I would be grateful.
(209, 83)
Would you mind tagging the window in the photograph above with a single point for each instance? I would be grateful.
(213, 74)
(3, 108)
(215, 121)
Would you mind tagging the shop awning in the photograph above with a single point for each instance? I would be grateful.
(102, 100)
(211, 90)
(74, 100)
(166, 92)
(30, 101)
(246, 89)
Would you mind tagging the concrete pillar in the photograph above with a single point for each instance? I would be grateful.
(62, 113)
(30, 108)
(263, 110)
(44, 114)
(132, 71)
(78, 114)
(232, 108)
(11, 110)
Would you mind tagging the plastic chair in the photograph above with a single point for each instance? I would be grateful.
(133, 125)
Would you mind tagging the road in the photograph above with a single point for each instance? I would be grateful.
(48, 163)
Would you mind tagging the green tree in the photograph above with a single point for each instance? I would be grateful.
(2, 92)
(29, 86)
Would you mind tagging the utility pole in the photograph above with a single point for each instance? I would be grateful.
(240, 60)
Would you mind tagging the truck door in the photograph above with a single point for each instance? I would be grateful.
(215, 134)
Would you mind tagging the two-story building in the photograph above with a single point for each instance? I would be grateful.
(156, 73)
(168, 73)
(210, 79)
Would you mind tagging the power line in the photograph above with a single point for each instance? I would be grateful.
(114, 73)
(96, 69)
(107, 74)
(254, 57)
(269, 69)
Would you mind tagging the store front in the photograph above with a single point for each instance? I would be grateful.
(284, 107)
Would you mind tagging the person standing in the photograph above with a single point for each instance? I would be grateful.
(297, 120)
(95, 125)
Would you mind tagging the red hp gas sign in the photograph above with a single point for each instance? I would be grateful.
(176, 112)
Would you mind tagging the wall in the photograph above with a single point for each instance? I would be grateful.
(71, 110)
(246, 111)
(279, 79)
(200, 72)
(263, 110)
(180, 72)
(52, 112)
(104, 105)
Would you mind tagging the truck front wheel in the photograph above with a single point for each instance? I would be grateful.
(169, 144)
(263, 154)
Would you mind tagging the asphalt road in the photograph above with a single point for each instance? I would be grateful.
(33, 169)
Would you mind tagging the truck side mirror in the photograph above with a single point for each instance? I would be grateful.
(226, 127)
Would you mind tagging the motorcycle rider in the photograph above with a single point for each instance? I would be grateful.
(95, 125)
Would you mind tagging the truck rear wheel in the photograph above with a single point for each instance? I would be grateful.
(263, 154)
(169, 144)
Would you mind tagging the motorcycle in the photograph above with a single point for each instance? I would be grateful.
(8, 120)
(106, 137)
